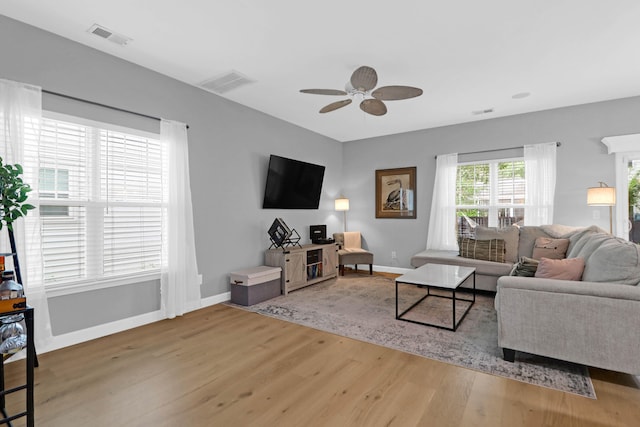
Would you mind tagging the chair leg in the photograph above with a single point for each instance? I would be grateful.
(341, 269)
(355, 267)
(370, 269)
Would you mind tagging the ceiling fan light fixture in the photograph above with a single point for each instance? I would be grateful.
(361, 88)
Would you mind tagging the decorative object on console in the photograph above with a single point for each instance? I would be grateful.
(342, 204)
(396, 193)
(281, 235)
(603, 196)
(318, 235)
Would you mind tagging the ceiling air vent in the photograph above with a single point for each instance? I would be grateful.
(225, 82)
(106, 33)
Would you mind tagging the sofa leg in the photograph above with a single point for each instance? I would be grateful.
(370, 269)
(341, 269)
(509, 354)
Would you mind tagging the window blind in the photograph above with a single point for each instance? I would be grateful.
(100, 201)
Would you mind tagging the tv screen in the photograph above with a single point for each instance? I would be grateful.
(292, 184)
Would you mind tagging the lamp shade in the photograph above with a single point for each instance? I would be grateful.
(342, 204)
(601, 196)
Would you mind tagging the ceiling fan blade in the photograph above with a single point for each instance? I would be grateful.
(335, 105)
(392, 93)
(374, 107)
(364, 78)
(324, 91)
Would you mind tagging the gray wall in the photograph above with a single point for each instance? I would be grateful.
(582, 161)
(229, 147)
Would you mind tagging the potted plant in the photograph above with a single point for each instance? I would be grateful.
(13, 196)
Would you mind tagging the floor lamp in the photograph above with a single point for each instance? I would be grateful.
(603, 196)
(342, 204)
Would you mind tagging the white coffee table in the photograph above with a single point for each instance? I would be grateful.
(438, 276)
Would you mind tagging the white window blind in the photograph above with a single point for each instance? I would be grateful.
(100, 201)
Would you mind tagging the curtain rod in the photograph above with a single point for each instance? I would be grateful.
(86, 101)
(558, 144)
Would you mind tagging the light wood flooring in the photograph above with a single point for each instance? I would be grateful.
(223, 366)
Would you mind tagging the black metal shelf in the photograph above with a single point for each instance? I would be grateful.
(30, 376)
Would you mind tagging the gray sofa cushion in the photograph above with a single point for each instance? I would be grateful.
(607, 258)
(528, 236)
(488, 268)
(510, 235)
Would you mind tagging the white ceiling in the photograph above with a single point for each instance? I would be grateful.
(466, 55)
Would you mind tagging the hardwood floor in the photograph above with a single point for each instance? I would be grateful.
(223, 366)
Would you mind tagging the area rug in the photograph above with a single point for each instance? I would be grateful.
(363, 308)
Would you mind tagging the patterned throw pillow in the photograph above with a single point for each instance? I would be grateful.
(526, 267)
(487, 250)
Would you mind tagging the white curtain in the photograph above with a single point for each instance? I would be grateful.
(442, 222)
(20, 117)
(540, 177)
(180, 287)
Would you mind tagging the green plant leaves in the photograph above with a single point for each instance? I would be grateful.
(13, 194)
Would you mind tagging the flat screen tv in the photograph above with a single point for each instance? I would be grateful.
(292, 184)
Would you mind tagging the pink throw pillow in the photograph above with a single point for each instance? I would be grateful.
(561, 269)
(550, 248)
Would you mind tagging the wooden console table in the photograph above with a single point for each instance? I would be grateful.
(303, 265)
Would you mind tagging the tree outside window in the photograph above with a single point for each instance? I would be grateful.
(490, 194)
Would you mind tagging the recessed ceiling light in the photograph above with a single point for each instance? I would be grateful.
(521, 95)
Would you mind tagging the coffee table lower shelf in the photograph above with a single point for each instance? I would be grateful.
(453, 276)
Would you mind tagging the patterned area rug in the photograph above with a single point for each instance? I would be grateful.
(363, 308)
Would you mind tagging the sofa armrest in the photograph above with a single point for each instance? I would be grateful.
(607, 290)
(595, 324)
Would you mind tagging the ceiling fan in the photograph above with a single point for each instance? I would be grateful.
(360, 86)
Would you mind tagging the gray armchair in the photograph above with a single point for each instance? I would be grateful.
(350, 251)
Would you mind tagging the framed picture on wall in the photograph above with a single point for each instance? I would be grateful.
(396, 193)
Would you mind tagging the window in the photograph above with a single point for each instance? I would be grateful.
(490, 194)
(53, 184)
(100, 197)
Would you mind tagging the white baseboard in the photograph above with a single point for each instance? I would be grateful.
(393, 270)
(216, 299)
(99, 331)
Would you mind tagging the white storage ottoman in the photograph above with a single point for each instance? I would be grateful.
(253, 285)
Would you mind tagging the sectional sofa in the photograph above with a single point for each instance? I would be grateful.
(592, 319)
